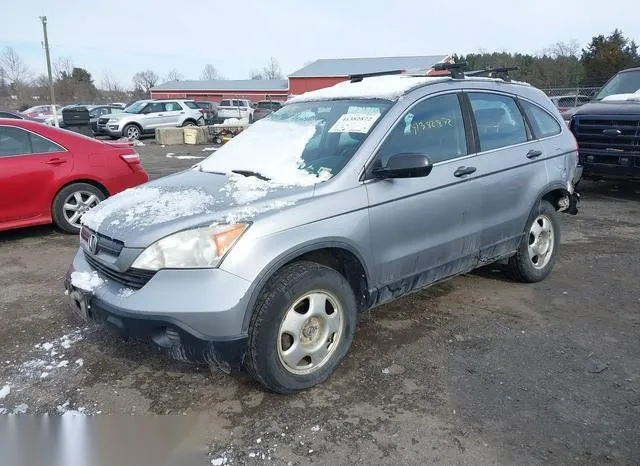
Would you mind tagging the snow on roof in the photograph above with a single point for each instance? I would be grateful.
(381, 87)
(351, 66)
(225, 85)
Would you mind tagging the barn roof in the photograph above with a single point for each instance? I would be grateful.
(225, 85)
(352, 66)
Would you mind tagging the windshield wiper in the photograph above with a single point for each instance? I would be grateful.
(250, 173)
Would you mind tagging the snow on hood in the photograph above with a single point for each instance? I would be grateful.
(144, 206)
(379, 87)
(273, 149)
(622, 97)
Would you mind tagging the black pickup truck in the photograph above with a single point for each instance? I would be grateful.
(608, 129)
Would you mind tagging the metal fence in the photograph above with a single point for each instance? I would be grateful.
(571, 96)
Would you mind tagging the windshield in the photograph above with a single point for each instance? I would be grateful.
(136, 107)
(301, 143)
(622, 83)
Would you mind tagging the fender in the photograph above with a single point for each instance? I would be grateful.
(570, 205)
(290, 255)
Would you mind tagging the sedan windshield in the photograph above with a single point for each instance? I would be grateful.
(622, 83)
(135, 107)
(302, 143)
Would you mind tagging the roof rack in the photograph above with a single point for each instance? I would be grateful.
(500, 73)
(455, 69)
(355, 78)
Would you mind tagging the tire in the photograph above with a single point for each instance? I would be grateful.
(189, 123)
(64, 208)
(530, 264)
(131, 131)
(251, 120)
(326, 335)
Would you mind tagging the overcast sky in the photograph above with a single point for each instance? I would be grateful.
(125, 36)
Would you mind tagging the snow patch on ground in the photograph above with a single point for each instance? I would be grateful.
(21, 408)
(171, 155)
(209, 148)
(4, 391)
(138, 143)
(144, 206)
(86, 281)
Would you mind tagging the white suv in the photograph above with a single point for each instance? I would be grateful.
(144, 116)
(235, 108)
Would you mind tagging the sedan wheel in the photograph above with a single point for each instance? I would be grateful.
(72, 202)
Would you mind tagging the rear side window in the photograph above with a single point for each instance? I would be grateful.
(191, 105)
(225, 103)
(498, 119)
(433, 127)
(41, 145)
(544, 125)
(14, 141)
(174, 106)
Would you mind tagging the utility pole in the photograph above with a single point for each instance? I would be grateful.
(51, 88)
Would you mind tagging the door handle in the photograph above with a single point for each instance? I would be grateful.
(464, 171)
(55, 161)
(160, 114)
(181, 113)
(532, 154)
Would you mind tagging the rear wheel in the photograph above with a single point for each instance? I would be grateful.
(189, 123)
(538, 248)
(301, 329)
(72, 202)
(131, 132)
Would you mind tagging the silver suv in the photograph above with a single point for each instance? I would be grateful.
(144, 116)
(263, 255)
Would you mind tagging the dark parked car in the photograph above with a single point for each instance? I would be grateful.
(608, 129)
(97, 111)
(209, 110)
(265, 107)
(15, 115)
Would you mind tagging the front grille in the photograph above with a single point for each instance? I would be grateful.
(107, 245)
(103, 121)
(590, 133)
(132, 278)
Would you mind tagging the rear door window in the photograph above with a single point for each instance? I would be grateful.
(544, 125)
(498, 119)
(14, 141)
(192, 105)
(225, 103)
(173, 107)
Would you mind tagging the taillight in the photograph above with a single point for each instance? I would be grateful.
(131, 159)
(202, 111)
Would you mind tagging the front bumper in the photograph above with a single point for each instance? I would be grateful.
(111, 131)
(197, 316)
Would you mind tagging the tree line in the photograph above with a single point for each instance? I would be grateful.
(563, 65)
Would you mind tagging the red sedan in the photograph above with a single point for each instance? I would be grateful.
(53, 175)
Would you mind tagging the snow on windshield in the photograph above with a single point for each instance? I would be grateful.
(271, 148)
(144, 206)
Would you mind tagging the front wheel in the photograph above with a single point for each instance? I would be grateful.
(131, 132)
(301, 329)
(538, 248)
(72, 202)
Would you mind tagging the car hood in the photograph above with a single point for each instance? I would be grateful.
(610, 107)
(119, 116)
(192, 198)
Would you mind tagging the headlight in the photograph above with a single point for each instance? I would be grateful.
(197, 248)
(112, 120)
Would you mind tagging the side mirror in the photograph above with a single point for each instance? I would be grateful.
(404, 166)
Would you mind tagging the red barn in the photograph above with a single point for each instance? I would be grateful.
(216, 90)
(317, 75)
(327, 72)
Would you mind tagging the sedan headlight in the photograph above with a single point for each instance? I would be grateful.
(197, 248)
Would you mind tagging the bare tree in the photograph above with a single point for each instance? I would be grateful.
(14, 66)
(256, 74)
(272, 69)
(174, 75)
(145, 80)
(110, 83)
(209, 73)
(62, 67)
(564, 49)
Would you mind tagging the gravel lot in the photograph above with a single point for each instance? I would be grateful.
(478, 370)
